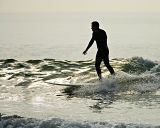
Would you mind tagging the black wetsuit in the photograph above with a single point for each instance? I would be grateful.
(103, 52)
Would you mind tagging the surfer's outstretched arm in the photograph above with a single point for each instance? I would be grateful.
(89, 45)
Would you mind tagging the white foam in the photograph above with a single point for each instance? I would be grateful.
(106, 85)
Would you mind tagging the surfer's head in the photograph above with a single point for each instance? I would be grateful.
(95, 26)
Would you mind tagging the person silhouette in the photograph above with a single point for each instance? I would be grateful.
(100, 37)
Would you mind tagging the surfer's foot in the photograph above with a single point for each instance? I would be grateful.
(100, 77)
(113, 73)
(112, 76)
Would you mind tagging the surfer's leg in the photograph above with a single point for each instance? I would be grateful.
(97, 65)
(107, 64)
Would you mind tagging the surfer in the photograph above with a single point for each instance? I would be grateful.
(100, 37)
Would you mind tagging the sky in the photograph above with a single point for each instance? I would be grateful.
(79, 5)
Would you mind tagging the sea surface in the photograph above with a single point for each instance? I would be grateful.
(64, 36)
(46, 82)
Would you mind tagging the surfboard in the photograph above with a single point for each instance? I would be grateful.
(71, 84)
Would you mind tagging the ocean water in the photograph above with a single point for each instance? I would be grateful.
(41, 51)
(64, 36)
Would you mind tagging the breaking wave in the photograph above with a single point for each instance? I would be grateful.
(136, 74)
(20, 122)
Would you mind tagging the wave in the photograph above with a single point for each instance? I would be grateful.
(143, 74)
(20, 122)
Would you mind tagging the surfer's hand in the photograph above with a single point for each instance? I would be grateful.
(85, 52)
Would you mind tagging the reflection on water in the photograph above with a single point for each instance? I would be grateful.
(131, 96)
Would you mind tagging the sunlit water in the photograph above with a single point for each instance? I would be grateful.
(132, 96)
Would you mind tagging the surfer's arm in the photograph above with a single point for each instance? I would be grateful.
(89, 45)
